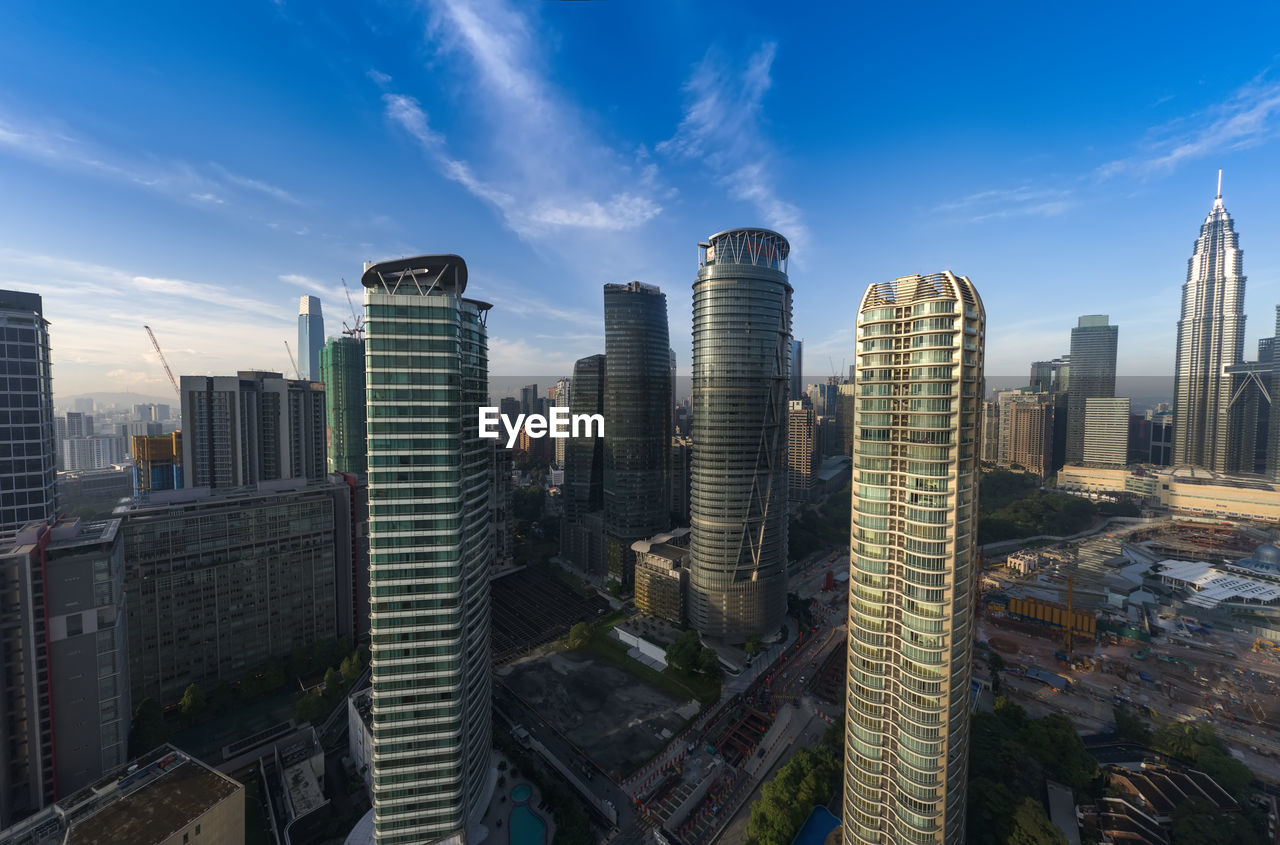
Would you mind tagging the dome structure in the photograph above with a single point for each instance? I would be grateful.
(1267, 553)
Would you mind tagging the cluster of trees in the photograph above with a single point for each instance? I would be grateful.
(687, 654)
(315, 705)
(1011, 505)
(816, 529)
(806, 781)
(1010, 755)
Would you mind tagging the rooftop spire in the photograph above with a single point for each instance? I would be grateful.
(1219, 183)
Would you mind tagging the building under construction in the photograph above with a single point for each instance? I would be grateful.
(157, 462)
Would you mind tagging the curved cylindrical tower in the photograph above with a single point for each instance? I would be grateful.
(741, 381)
(914, 554)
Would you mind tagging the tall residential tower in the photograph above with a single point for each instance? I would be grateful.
(1210, 339)
(430, 549)
(920, 342)
(741, 381)
(27, 479)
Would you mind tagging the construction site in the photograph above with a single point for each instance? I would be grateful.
(1175, 620)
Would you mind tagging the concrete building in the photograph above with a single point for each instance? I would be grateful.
(637, 422)
(165, 797)
(28, 475)
(219, 582)
(157, 463)
(662, 575)
(95, 452)
(310, 338)
(803, 455)
(1093, 375)
(1106, 432)
(741, 379)
(430, 549)
(342, 371)
(1183, 491)
(252, 427)
(847, 400)
(64, 693)
(582, 531)
(1210, 339)
(1031, 434)
(990, 452)
(920, 344)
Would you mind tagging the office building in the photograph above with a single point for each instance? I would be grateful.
(342, 371)
(501, 495)
(219, 582)
(920, 345)
(1031, 434)
(847, 400)
(28, 471)
(310, 338)
(797, 369)
(637, 421)
(741, 379)
(1093, 375)
(157, 462)
(662, 575)
(78, 425)
(681, 448)
(803, 456)
(64, 692)
(251, 427)
(1161, 446)
(990, 447)
(1106, 432)
(581, 532)
(164, 797)
(430, 549)
(530, 401)
(1051, 376)
(1210, 339)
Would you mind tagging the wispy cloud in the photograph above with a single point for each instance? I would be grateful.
(209, 184)
(723, 127)
(1251, 116)
(543, 169)
(1023, 201)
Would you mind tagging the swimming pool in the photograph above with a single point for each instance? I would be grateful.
(526, 827)
(521, 793)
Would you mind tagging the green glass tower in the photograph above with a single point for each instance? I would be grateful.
(342, 371)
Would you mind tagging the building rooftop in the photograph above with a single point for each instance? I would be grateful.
(1212, 586)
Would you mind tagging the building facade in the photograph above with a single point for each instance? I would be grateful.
(220, 582)
(28, 471)
(637, 421)
(342, 371)
(1106, 432)
(920, 344)
(310, 338)
(1031, 434)
(157, 463)
(741, 379)
(581, 534)
(250, 428)
(64, 693)
(803, 454)
(797, 369)
(430, 548)
(1093, 375)
(1210, 339)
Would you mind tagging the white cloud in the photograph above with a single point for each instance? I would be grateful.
(723, 128)
(541, 167)
(1022, 201)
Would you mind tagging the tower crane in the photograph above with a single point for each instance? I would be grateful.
(356, 329)
(165, 363)
(296, 371)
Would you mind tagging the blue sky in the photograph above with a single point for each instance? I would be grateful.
(199, 167)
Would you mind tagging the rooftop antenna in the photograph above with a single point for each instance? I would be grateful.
(1219, 183)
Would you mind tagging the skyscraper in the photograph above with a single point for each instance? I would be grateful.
(1093, 375)
(430, 548)
(310, 337)
(1031, 433)
(1106, 432)
(342, 371)
(251, 427)
(797, 372)
(802, 448)
(1210, 338)
(637, 421)
(29, 470)
(582, 532)
(560, 399)
(920, 342)
(741, 380)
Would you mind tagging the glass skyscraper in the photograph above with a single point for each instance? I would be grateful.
(342, 371)
(430, 548)
(310, 337)
(582, 530)
(914, 558)
(1093, 375)
(637, 421)
(741, 381)
(1210, 338)
(29, 467)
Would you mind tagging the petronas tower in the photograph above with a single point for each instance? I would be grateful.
(1210, 339)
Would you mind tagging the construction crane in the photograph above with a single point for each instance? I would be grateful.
(165, 363)
(292, 361)
(356, 329)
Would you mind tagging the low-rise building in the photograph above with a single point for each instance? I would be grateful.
(662, 574)
(1183, 492)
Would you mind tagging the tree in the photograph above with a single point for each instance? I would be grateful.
(752, 647)
(708, 663)
(193, 701)
(147, 729)
(1031, 826)
(332, 682)
(806, 780)
(1197, 822)
(309, 708)
(351, 667)
(579, 634)
(682, 655)
(1130, 726)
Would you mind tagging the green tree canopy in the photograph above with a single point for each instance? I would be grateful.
(579, 634)
(1031, 826)
(193, 701)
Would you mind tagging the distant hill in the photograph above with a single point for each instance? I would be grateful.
(104, 400)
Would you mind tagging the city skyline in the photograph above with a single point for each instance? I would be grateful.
(226, 164)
